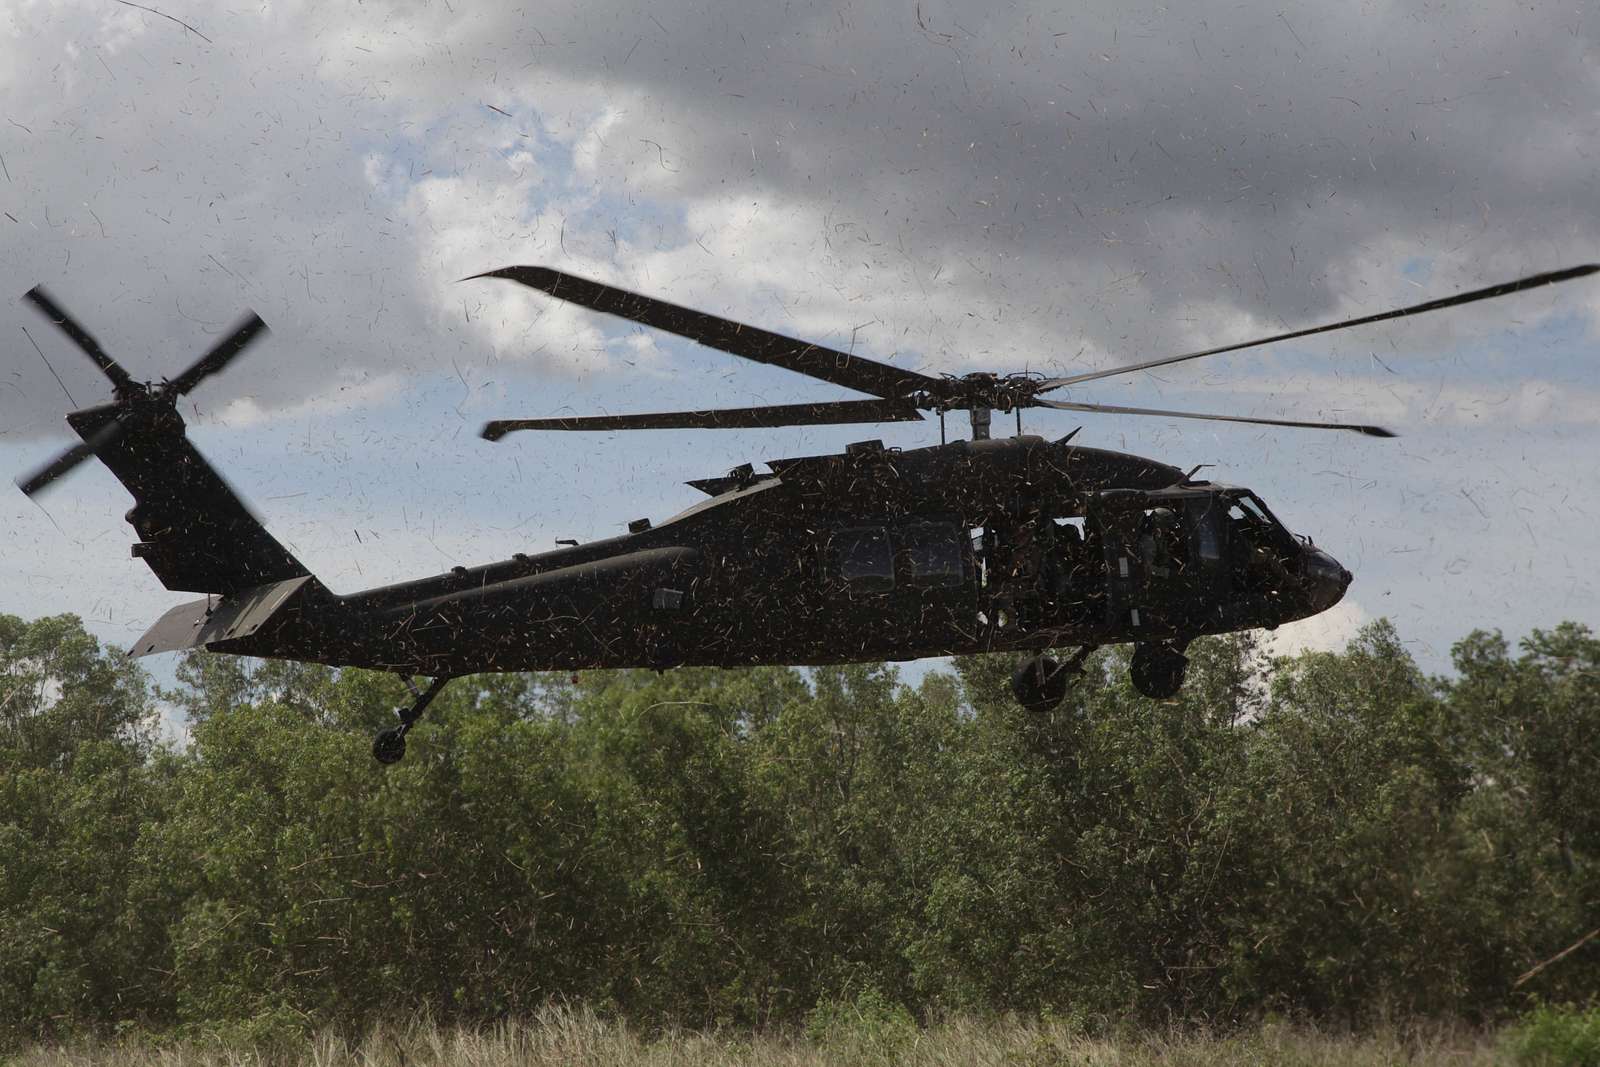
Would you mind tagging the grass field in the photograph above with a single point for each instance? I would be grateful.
(561, 1037)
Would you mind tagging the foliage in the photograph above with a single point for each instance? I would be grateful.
(1332, 837)
(868, 1029)
(78, 781)
(1556, 1037)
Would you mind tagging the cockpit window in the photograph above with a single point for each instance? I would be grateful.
(1246, 509)
(864, 558)
(1205, 518)
(1265, 511)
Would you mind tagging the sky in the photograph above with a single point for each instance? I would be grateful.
(945, 186)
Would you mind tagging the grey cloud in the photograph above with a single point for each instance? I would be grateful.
(1246, 155)
(1121, 179)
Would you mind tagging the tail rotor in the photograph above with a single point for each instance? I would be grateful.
(131, 396)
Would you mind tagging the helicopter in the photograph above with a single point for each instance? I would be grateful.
(1020, 544)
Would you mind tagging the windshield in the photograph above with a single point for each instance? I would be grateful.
(1247, 508)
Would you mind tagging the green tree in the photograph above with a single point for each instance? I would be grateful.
(1529, 727)
(854, 771)
(59, 689)
(1350, 809)
(75, 729)
(311, 883)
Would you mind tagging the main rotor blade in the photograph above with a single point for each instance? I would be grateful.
(221, 354)
(1111, 409)
(1531, 282)
(69, 459)
(41, 299)
(735, 338)
(828, 413)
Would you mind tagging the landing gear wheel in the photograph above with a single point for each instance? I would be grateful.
(1157, 670)
(390, 745)
(1039, 683)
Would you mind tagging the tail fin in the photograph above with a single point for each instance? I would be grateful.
(194, 531)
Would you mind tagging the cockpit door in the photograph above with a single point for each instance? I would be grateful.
(1206, 518)
(1166, 559)
(1114, 519)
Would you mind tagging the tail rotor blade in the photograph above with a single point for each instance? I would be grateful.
(221, 354)
(55, 468)
(83, 338)
(69, 459)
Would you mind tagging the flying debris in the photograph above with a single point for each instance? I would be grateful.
(1019, 544)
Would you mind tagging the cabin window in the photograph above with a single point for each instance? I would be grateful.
(864, 558)
(933, 554)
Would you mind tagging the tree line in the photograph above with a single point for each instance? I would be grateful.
(1334, 836)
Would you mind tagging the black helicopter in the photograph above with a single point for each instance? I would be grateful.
(1018, 544)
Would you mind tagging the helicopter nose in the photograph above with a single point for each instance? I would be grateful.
(1326, 580)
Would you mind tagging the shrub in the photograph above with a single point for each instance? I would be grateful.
(1556, 1036)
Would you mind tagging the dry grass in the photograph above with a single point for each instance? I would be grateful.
(561, 1036)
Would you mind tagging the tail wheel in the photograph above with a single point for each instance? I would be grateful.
(1157, 670)
(1040, 684)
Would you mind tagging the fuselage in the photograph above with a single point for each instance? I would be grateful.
(875, 554)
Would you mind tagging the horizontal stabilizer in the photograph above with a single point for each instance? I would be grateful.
(201, 622)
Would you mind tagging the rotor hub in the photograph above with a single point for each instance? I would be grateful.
(981, 389)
